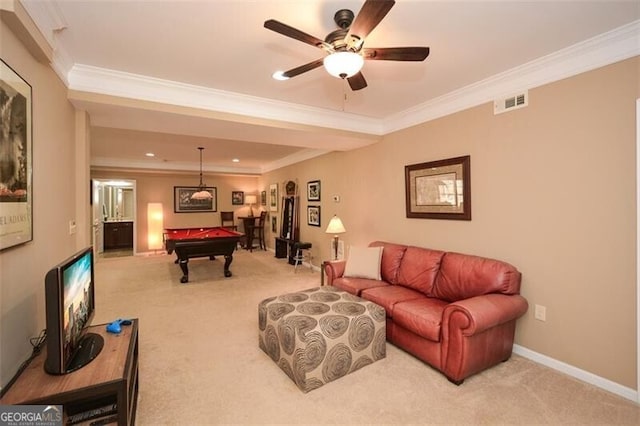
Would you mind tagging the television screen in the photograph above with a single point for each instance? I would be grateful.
(78, 301)
(70, 303)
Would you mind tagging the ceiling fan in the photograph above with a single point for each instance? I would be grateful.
(344, 46)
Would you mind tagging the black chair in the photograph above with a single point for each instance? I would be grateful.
(256, 231)
(227, 221)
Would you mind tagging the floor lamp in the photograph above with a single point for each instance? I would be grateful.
(335, 227)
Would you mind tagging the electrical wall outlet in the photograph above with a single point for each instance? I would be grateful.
(540, 313)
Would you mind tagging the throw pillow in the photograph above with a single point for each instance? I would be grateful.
(364, 262)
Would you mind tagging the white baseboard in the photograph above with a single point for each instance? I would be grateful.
(577, 373)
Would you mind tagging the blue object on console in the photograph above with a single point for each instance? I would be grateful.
(115, 326)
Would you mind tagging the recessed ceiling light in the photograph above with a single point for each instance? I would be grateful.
(279, 75)
(236, 160)
(150, 154)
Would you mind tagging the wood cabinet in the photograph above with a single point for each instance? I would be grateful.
(111, 378)
(118, 235)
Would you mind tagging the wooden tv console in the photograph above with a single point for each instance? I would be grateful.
(111, 378)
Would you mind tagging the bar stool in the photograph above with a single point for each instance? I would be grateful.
(300, 249)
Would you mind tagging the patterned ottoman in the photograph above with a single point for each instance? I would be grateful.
(321, 334)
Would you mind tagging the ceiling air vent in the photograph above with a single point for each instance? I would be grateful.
(510, 103)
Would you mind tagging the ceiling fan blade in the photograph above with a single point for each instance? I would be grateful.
(372, 12)
(357, 81)
(294, 33)
(303, 68)
(395, 53)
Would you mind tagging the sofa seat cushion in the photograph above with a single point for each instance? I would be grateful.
(389, 296)
(419, 268)
(356, 285)
(421, 316)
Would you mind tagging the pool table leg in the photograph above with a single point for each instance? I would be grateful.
(185, 270)
(228, 258)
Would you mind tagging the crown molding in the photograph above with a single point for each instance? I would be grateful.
(604, 49)
(106, 163)
(117, 83)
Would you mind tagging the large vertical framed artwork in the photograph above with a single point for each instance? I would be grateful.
(16, 193)
(273, 197)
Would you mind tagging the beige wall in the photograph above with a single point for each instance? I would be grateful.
(158, 188)
(552, 189)
(55, 203)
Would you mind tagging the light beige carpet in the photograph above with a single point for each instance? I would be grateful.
(200, 362)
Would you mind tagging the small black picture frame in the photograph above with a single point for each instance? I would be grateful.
(237, 198)
(313, 190)
(313, 215)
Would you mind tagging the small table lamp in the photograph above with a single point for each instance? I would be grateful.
(251, 200)
(335, 227)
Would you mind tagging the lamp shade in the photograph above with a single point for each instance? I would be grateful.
(250, 199)
(335, 226)
(202, 195)
(343, 64)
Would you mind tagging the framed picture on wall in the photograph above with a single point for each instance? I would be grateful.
(313, 215)
(439, 189)
(16, 193)
(273, 197)
(274, 225)
(182, 202)
(237, 198)
(313, 190)
(263, 198)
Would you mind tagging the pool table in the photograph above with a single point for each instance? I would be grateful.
(201, 242)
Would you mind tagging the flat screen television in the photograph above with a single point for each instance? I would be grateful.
(70, 306)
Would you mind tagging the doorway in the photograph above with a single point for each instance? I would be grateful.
(114, 217)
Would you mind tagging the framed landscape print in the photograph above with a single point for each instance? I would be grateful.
(237, 198)
(182, 202)
(439, 189)
(313, 190)
(313, 215)
(16, 193)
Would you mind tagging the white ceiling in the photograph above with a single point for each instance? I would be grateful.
(149, 71)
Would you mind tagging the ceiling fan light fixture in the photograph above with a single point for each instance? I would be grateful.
(279, 75)
(343, 64)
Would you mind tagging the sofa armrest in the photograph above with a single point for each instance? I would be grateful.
(334, 269)
(486, 311)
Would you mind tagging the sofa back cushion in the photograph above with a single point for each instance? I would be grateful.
(463, 276)
(419, 268)
(391, 257)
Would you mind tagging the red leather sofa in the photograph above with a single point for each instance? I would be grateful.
(456, 312)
